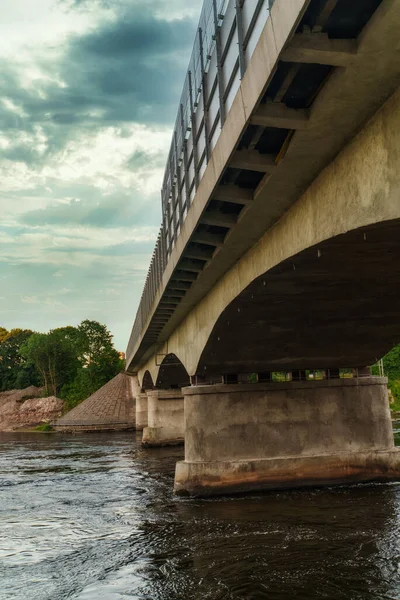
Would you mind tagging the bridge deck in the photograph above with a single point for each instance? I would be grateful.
(320, 69)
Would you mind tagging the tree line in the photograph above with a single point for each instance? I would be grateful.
(69, 362)
(391, 367)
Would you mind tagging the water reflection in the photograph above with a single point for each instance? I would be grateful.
(93, 518)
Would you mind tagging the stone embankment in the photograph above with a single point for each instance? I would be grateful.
(22, 409)
(111, 408)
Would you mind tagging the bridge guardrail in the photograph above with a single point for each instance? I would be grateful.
(226, 37)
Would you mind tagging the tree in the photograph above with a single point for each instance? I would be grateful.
(391, 364)
(99, 356)
(55, 356)
(12, 363)
(99, 362)
(71, 362)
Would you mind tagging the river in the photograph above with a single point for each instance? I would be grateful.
(93, 517)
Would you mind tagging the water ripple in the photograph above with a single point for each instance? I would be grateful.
(93, 518)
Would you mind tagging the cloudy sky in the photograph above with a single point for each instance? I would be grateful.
(89, 91)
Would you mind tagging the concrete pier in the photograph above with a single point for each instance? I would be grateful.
(166, 425)
(141, 411)
(246, 437)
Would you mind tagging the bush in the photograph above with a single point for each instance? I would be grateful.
(44, 427)
(395, 389)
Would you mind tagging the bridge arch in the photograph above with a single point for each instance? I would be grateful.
(332, 305)
(147, 381)
(172, 373)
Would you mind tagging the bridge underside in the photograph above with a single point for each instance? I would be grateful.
(288, 260)
(320, 71)
(333, 305)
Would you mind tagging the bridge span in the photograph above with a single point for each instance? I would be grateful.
(279, 250)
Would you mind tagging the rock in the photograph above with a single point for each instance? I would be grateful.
(25, 408)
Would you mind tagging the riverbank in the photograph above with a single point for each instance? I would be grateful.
(26, 409)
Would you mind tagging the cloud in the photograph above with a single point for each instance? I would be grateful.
(89, 91)
(105, 212)
(127, 70)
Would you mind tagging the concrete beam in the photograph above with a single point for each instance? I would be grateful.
(180, 286)
(319, 48)
(233, 194)
(326, 12)
(199, 253)
(252, 160)
(184, 276)
(174, 299)
(287, 82)
(175, 294)
(279, 115)
(190, 265)
(209, 239)
(217, 217)
(168, 305)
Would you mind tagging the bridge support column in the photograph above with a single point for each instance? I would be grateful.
(166, 426)
(141, 411)
(264, 436)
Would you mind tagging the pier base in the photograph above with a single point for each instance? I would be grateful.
(166, 426)
(251, 437)
(141, 411)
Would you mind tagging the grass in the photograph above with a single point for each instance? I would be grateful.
(44, 427)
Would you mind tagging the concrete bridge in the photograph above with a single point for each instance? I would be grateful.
(279, 250)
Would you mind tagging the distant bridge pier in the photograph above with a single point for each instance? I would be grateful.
(251, 437)
(166, 426)
(141, 411)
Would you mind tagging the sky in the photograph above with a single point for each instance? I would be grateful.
(89, 92)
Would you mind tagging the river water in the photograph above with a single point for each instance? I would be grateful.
(94, 518)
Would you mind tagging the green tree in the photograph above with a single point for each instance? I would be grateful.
(55, 356)
(99, 362)
(72, 362)
(391, 364)
(13, 364)
(99, 356)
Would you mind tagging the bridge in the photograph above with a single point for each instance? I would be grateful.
(275, 279)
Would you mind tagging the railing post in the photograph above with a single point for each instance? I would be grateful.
(240, 34)
(169, 219)
(217, 37)
(205, 99)
(185, 159)
(160, 264)
(174, 199)
(178, 179)
(164, 248)
(194, 133)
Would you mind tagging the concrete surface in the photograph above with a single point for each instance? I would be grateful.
(166, 426)
(141, 411)
(359, 189)
(343, 107)
(257, 436)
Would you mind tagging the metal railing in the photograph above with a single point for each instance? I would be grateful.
(226, 37)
